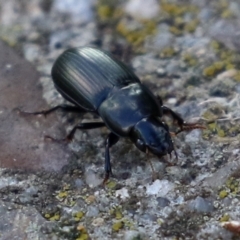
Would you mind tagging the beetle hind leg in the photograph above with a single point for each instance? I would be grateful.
(84, 126)
(63, 107)
(81, 126)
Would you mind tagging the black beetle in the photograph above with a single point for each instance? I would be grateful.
(94, 81)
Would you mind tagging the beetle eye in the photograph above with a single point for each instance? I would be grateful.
(140, 145)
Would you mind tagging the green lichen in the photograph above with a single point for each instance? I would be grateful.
(47, 215)
(190, 59)
(167, 52)
(83, 233)
(10, 34)
(175, 30)
(224, 218)
(227, 14)
(234, 130)
(232, 184)
(223, 194)
(111, 184)
(78, 216)
(216, 45)
(136, 37)
(209, 115)
(127, 223)
(83, 237)
(221, 132)
(116, 212)
(175, 13)
(108, 11)
(62, 194)
(231, 187)
(104, 12)
(228, 60)
(213, 69)
(55, 217)
(177, 9)
(209, 71)
(52, 216)
(237, 76)
(117, 226)
(191, 26)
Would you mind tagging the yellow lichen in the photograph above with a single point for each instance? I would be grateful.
(167, 52)
(117, 226)
(111, 184)
(224, 218)
(214, 69)
(209, 115)
(62, 194)
(191, 26)
(47, 215)
(215, 45)
(173, 9)
(78, 216)
(137, 36)
(55, 217)
(104, 12)
(118, 214)
(227, 14)
(237, 76)
(175, 30)
(83, 233)
(220, 132)
(223, 194)
(190, 60)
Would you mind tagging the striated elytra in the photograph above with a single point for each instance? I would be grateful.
(95, 81)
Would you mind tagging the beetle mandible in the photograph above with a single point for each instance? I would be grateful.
(95, 81)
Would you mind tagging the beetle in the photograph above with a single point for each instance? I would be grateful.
(95, 81)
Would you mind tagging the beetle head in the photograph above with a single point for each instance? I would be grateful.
(150, 134)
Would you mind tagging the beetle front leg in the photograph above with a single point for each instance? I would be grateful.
(181, 123)
(63, 107)
(110, 141)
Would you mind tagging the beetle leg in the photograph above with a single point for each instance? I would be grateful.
(177, 118)
(154, 174)
(86, 125)
(63, 107)
(110, 141)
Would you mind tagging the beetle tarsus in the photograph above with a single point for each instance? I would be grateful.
(63, 140)
(105, 180)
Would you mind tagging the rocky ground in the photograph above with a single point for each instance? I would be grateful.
(185, 51)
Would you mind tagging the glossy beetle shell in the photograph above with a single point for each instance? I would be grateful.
(96, 81)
